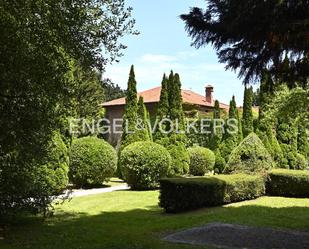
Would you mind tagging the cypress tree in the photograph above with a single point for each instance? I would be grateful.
(231, 137)
(144, 133)
(176, 111)
(216, 135)
(131, 112)
(247, 117)
(163, 106)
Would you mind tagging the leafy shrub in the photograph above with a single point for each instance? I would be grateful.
(220, 163)
(31, 186)
(143, 164)
(202, 160)
(181, 194)
(52, 170)
(301, 162)
(289, 183)
(180, 160)
(250, 156)
(92, 161)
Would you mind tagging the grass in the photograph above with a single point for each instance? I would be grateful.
(133, 220)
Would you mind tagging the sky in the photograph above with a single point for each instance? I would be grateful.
(164, 45)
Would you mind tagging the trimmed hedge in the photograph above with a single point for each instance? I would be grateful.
(181, 194)
(288, 183)
(92, 161)
(143, 164)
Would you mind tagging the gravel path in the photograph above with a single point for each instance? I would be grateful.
(94, 191)
(230, 236)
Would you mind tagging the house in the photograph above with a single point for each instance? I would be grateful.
(191, 101)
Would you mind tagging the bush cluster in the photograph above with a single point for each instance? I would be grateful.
(202, 160)
(92, 161)
(143, 164)
(288, 183)
(181, 194)
(250, 157)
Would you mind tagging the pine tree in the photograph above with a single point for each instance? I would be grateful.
(247, 117)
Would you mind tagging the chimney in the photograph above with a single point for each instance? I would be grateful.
(209, 90)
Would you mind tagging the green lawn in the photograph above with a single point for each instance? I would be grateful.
(133, 220)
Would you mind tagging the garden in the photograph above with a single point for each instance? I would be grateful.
(176, 167)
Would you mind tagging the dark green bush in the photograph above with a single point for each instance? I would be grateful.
(143, 164)
(289, 183)
(202, 160)
(249, 157)
(52, 171)
(181, 194)
(180, 160)
(92, 161)
(31, 187)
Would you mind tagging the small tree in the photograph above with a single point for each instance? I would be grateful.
(247, 117)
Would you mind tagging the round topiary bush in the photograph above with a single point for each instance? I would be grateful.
(250, 156)
(202, 160)
(301, 162)
(92, 161)
(143, 164)
(180, 160)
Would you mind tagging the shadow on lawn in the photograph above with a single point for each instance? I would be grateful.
(142, 228)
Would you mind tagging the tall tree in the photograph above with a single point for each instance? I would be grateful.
(112, 90)
(39, 42)
(163, 107)
(130, 114)
(175, 100)
(247, 116)
(232, 135)
(217, 133)
(143, 121)
(278, 42)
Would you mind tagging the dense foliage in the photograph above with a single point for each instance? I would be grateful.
(180, 159)
(202, 160)
(39, 44)
(289, 183)
(283, 125)
(92, 161)
(46, 177)
(143, 164)
(250, 156)
(181, 194)
(278, 41)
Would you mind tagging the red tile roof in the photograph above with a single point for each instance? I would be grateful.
(153, 96)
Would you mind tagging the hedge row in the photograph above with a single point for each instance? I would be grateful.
(181, 194)
(288, 183)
